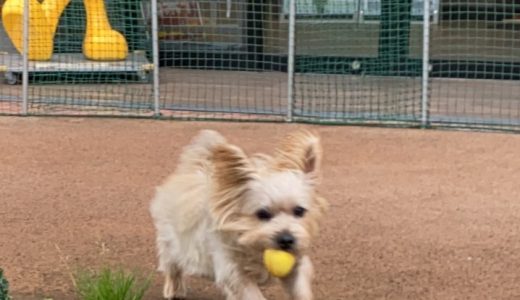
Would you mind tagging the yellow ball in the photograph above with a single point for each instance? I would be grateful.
(279, 263)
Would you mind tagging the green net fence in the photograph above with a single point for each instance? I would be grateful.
(475, 57)
(10, 95)
(358, 61)
(354, 61)
(223, 59)
(91, 60)
(101, 86)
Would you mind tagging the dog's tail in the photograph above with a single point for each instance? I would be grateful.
(198, 152)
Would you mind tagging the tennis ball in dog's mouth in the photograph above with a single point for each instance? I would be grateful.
(279, 263)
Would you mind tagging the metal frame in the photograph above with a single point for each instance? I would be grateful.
(425, 65)
(155, 53)
(290, 60)
(25, 54)
(74, 63)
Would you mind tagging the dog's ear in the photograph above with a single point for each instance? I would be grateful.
(319, 207)
(232, 172)
(300, 151)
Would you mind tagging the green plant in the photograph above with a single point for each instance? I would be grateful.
(111, 285)
(4, 286)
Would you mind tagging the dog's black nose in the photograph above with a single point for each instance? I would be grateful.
(285, 240)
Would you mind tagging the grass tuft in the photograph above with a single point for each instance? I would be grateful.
(111, 285)
(4, 286)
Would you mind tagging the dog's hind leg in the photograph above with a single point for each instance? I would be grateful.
(174, 286)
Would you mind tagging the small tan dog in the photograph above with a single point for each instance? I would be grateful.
(221, 209)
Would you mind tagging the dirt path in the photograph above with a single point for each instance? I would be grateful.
(415, 214)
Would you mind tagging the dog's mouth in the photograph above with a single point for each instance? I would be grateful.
(295, 251)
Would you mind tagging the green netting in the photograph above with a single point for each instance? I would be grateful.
(10, 95)
(356, 61)
(223, 62)
(72, 83)
(475, 55)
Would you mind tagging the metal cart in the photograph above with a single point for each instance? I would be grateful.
(12, 65)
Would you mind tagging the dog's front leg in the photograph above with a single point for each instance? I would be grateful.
(299, 284)
(234, 284)
(248, 291)
(237, 287)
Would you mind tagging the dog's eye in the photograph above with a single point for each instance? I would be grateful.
(263, 214)
(299, 211)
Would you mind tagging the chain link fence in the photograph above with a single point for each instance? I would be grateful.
(320, 61)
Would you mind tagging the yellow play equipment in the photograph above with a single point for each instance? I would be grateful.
(101, 41)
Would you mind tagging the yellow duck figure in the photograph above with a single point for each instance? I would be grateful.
(101, 41)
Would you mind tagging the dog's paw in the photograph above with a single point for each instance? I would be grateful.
(174, 291)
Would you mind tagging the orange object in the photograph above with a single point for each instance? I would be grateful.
(43, 20)
(101, 41)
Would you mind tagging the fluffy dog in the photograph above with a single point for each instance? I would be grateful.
(220, 209)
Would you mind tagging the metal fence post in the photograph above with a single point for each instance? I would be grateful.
(425, 64)
(290, 60)
(25, 57)
(155, 54)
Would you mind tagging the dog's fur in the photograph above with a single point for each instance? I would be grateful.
(207, 214)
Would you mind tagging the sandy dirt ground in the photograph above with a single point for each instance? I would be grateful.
(414, 214)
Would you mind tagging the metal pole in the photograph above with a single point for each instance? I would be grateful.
(25, 57)
(155, 53)
(290, 60)
(425, 64)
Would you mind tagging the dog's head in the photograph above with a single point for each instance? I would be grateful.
(269, 202)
